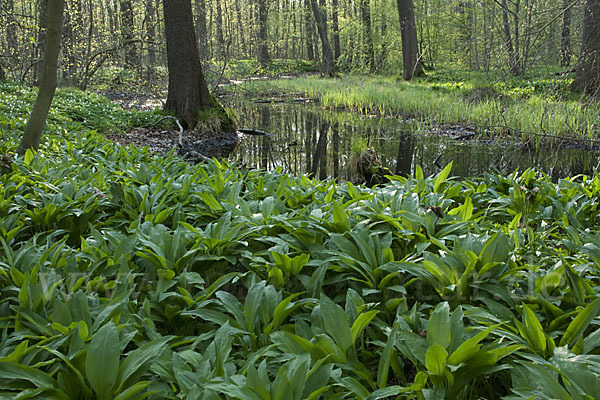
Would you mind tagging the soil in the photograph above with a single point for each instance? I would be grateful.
(193, 146)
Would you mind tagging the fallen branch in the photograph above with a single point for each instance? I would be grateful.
(255, 132)
(178, 124)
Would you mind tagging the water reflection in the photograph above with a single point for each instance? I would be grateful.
(308, 140)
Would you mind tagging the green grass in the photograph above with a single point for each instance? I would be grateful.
(124, 274)
(532, 104)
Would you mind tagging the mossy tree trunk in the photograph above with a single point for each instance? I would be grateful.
(48, 82)
(188, 93)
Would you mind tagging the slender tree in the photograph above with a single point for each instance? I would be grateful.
(263, 48)
(127, 21)
(328, 67)
(408, 31)
(187, 93)
(49, 80)
(335, 27)
(365, 13)
(565, 48)
(201, 30)
(308, 21)
(587, 77)
(150, 39)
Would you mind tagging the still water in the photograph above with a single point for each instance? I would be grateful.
(308, 140)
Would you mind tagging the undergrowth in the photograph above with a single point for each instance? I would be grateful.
(521, 108)
(124, 275)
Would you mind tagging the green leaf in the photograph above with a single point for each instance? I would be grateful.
(534, 331)
(29, 155)
(438, 327)
(469, 347)
(138, 361)
(340, 218)
(385, 359)
(211, 202)
(102, 360)
(361, 323)
(12, 371)
(335, 322)
(355, 387)
(132, 391)
(435, 359)
(496, 249)
(580, 323)
(441, 178)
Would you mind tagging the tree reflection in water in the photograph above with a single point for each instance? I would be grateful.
(309, 140)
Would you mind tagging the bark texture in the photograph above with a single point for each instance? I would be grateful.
(408, 31)
(587, 77)
(565, 48)
(131, 53)
(49, 80)
(365, 13)
(328, 67)
(263, 49)
(188, 93)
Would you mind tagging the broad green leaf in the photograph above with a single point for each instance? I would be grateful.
(12, 371)
(469, 347)
(102, 360)
(138, 361)
(132, 391)
(335, 322)
(535, 332)
(355, 387)
(385, 359)
(435, 359)
(340, 218)
(438, 327)
(441, 178)
(580, 323)
(361, 323)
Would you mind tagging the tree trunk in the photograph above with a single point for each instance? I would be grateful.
(69, 64)
(365, 13)
(187, 93)
(328, 67)
(42, 20)
(587, 77)
(33, 131)
(310, 50)
(151, 39)
(240, 23)
(408, 31)
(219, 26)
(263, 49)
(565, 48)
(201, 30)
(512, 61)
(127, 26)
(335, 26)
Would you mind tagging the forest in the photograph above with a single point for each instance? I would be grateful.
(299, 199)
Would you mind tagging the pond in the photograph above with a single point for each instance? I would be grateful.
(309, 140)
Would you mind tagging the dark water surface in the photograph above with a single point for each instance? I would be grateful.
(307, 139)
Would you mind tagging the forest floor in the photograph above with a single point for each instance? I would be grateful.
(192, 145)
